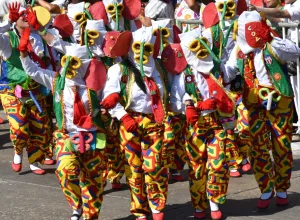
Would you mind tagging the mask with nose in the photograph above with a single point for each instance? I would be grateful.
(120, 11)
(224, 12)
(197, 49)
(93, 37)
(165, 34)
(142, 49)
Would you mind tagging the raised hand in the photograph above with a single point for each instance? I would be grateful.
(24, 41)
(14, 11)
(32, 19)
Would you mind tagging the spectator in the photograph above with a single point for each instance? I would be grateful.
(53, 7)
(156, 9)
(188, 9)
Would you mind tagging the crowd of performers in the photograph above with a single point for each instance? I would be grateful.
(137, 97)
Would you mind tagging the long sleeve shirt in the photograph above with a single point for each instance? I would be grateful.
(46, 78)
(139, 101)
(179, 94)
(284, 49)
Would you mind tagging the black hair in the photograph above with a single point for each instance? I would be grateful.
(137, 74)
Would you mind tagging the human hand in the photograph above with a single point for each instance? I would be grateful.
(32, 19)
(14, 11)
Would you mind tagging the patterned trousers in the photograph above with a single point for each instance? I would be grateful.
(207, 159)
(80, 176)
(243, 138)
(271, 130)
(144, 169)
(114, 158)
(28, 128)
(175, 136)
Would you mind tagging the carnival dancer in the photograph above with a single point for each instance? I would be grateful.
(22, 99)
(259, 56)
(210, 114)
(174, 155)
(242, 128)
(80, 138)
(220, 17)
(142, 114)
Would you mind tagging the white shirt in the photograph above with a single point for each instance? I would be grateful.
(59, 3)
(284, 49)
(292, 31)
(159, 9)
(46, 78)
(179, 94)
(140, 102)
(5, 47)
(294, 10)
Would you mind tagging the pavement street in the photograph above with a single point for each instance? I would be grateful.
(30, 197)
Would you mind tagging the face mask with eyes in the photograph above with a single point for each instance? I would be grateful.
(75, 64)
(142, 49)
(197, 47)
(114, 10)
(118, 10)
(78, 16)
(227, 9)
(164, 30)
(223, 12)
(93, 37)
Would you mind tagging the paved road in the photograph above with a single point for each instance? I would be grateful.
(29, 197)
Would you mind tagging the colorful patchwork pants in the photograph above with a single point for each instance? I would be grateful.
(80, 176)
(28, 128)
(271, 130)
(207, 160)
(114, 158)
(144, 169)
(175, 136)
(243, 137)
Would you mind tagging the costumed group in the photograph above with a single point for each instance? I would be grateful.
(144, 100)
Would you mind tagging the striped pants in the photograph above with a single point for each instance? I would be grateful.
(28, 128)
(144, 169)
(80, 176)
(207, 159)
(271, 130)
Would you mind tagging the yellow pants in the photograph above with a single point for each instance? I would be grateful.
(28, 128)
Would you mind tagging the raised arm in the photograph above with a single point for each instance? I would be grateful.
(42, 76)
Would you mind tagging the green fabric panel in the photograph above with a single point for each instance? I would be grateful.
(15, 72)
(127, 25)
(279, 78)
(95, 105)
(123, 85)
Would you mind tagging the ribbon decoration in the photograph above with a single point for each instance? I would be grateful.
(57, 99)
